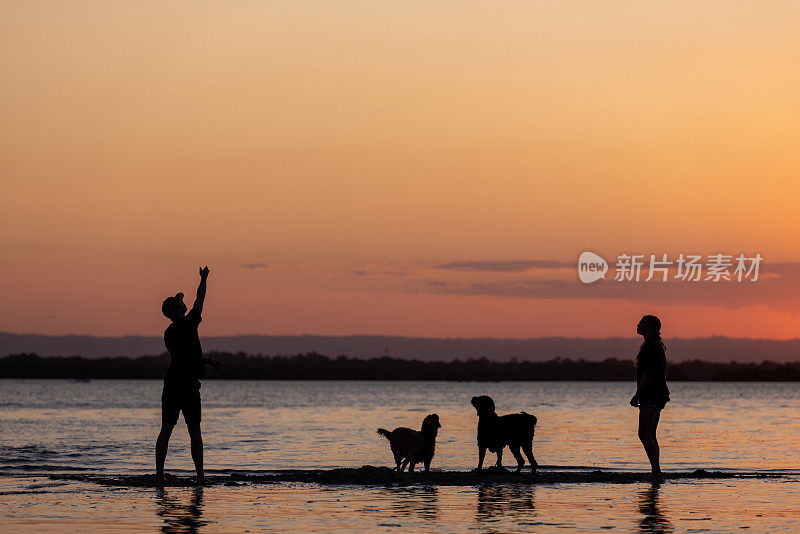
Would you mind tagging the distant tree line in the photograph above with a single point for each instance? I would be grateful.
(312, 366)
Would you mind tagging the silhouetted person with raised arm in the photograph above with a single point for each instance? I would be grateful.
(182, 382)
(652, 393)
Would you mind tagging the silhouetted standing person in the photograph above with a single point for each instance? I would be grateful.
(182, 382)
(652, 393)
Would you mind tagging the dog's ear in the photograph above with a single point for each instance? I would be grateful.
(482, 404)
(431, 420)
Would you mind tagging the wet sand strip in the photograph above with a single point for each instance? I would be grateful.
(383, 476)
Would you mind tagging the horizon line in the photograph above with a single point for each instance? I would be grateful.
(403, 336)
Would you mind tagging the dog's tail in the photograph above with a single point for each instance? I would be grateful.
(531, 422)
(385, 433)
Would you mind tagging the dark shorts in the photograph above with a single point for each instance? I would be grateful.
(175, 400)
(651, 405)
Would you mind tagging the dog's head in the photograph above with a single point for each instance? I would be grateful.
(431, 422)
(483, 404)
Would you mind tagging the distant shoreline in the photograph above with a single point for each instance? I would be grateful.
(718, 349)
(312, 366)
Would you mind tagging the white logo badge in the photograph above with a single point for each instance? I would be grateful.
(591, 267)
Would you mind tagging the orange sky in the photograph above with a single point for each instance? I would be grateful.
(355, 147)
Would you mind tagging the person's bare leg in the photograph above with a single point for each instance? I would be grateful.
(656, 448)
(162, 443)
(196, 438)
(648, 419)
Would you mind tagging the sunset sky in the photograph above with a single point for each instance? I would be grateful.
(413, 168)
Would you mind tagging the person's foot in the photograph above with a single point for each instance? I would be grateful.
(200, 480)
(159, 480)
(656, 477)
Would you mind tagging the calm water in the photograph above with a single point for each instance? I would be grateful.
(111, 426)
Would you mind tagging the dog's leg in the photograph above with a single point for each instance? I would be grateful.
(403, 466)
(481, 455)
(397, 458)
(500, 458)
(518, 457)
(411, 467)
(427, 462)
(528, 450)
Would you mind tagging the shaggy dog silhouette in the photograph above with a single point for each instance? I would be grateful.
(413, 446)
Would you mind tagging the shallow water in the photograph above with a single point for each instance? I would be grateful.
(110, 427)
(41, 505)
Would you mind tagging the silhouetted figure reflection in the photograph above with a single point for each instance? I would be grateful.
(422, 501)
(179, 515)
(495, 501)
(652, 393)
(182, 382)
(653, 516)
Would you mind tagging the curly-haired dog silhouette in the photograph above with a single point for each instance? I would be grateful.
(413, 446)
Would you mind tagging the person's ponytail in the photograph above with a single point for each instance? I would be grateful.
(654, 323)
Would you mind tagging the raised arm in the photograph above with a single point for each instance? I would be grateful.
(201, 290)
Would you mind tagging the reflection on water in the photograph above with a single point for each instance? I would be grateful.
(752, 505)
(421, 501)
(497, 501)
(654, 517)
(180, 510)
